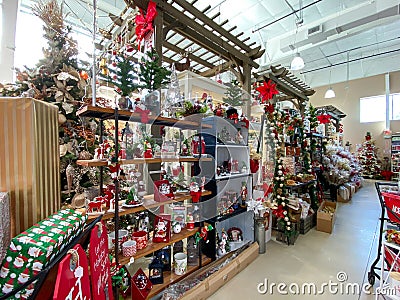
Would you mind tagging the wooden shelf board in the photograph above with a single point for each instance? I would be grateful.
(126, 115)
(171, 278)
(138, 161)
(152, 247)
(147, 204)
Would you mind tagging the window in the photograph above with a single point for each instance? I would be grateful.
(373, 109)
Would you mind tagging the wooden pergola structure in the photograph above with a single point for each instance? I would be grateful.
(212, 47)
(289, 86)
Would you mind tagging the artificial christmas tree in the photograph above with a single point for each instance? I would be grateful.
(234, 94)
(56, 79)
(367, 157)
(121, 74)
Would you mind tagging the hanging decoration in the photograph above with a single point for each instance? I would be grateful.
(144, 24)
(267, 91)
(100, 263)
(73, 276)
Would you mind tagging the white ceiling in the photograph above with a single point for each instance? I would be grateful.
(352, 29)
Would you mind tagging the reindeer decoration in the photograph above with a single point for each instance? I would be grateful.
(185, 65)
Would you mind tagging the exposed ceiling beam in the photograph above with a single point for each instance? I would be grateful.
(217, 69)
(191, 56)
(207, 38)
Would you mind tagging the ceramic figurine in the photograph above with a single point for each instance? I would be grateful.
(243, 193)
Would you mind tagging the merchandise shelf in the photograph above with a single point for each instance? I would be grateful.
(137, 161)
(235, 213)
(147, 204)
(300, 185)
(170, 277)
(126, 115)
(231, 176)
(152, 247)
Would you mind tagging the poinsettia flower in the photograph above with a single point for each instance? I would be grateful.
(323, 119)
(267, 91)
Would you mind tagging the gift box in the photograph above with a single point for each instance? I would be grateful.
(4, 224)
(29, 151)
(33, 249)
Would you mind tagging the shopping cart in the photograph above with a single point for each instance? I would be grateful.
(390, 216)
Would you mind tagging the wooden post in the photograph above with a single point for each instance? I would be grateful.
(247, 88)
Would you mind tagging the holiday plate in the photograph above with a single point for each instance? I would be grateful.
(132, 205)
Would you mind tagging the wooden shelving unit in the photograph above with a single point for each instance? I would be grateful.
(126, 115)
(138, 161)
(147, 204)
(152, 247)
(170, 277)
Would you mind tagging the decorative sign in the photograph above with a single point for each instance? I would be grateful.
(73, 276)
(162, 229)
(100, 263)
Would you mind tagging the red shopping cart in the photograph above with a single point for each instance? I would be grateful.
(390, 212)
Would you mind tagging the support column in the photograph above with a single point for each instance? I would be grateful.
(7, 48)
(247, 88)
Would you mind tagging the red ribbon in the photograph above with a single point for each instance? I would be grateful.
(144, 24)
(144, 114)
(267, 91)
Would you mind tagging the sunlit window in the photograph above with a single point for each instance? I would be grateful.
(29, 40)
(373, 109)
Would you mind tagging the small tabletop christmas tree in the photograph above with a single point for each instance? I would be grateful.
(152, 74)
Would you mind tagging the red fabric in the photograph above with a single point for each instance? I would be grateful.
(144, 24)
(267, 91)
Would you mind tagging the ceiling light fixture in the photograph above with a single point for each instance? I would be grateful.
(330, 93)
(297, 62)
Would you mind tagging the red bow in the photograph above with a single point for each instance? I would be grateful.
(144, 114)
(267, 91)
(144, 25)
(278, 212)
(323, 119)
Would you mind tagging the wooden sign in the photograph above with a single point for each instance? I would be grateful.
(100, 263)
(73, 276)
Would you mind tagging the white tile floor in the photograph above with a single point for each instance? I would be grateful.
(317, 257)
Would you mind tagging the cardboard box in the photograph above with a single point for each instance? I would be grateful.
(341, 199)
(326, 221)
(211, 284)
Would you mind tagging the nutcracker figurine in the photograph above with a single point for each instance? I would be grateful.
(243, 194)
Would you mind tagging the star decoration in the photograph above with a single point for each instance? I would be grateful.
(267, 91)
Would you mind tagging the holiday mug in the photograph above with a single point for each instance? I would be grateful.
(180, 263)
(140, 237)
(129, 248)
